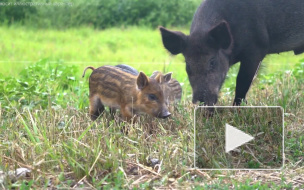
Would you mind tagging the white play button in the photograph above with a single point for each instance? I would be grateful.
(235, 138)
(248, 134)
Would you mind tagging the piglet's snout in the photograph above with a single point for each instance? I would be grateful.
(164, 114)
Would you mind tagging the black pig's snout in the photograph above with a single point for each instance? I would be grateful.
(205, 100)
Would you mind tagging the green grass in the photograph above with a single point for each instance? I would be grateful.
(130, 45)
(57, 140)
(140, 47)
(44, 122)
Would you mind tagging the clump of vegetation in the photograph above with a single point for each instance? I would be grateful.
(98, 13)
(41, 85)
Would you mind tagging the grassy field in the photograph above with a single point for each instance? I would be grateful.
(140, 47)
(45, 126)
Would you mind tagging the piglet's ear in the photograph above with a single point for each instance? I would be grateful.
(154, 74)
(174, 41)
(142, 81)
(159, 78)
(167, 77)
(220, 36)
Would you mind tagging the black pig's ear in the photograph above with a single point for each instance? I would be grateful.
(142, 81)
(173, 41)
(220, 36)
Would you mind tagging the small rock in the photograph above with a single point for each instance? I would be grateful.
(2, 177)
(171, 180)
(154, 162)
(20, 173)
(61, 125)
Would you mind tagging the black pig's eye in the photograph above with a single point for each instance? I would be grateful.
(152, 97)
(212, 64)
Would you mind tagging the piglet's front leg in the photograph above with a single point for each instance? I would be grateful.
(126, 113)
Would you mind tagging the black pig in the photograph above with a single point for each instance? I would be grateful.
(224, 32)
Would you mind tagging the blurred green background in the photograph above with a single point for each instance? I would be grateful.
(94, 32)
(99, 14)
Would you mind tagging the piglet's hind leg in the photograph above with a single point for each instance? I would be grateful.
(96, 107)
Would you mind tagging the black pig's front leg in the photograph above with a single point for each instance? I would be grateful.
(247, 72)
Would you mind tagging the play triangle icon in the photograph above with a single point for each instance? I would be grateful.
(235, 138)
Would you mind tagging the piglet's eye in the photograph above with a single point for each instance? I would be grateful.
(152, 97)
